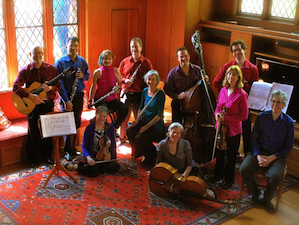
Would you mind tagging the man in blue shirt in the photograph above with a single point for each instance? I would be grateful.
(272, 141)
(71, 93)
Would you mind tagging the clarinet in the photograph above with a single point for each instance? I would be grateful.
(74, 87)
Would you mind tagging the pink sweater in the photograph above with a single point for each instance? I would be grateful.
(236, 109)
(105, 84)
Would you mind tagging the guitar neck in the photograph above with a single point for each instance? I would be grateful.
(54, 80)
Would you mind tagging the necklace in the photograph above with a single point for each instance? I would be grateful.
(151, 93)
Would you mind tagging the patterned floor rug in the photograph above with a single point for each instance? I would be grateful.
(119, 198)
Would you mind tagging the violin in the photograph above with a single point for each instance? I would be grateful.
(166, 182)
(104, 153)
(222, 132)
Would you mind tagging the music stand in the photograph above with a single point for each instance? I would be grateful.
(55, 125)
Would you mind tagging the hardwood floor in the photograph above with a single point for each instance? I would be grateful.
(287, 213)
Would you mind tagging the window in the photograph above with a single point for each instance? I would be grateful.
(29, 28)
(3, 68)
(24, 24)
(254, 7)
(65, 24)
(283, 9)
(272, 9)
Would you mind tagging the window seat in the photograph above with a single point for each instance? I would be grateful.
(13, 139)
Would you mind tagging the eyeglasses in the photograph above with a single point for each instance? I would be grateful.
(237, 50)
(277, 102)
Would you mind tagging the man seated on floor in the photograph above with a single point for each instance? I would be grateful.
(272, 141)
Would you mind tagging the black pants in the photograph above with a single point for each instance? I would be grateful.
(77, 109)
(142, 144)
(132, 102)
(97, 169)
(36, 147)
(116, 105)
(177, 114)
(246, 127)
(226, 160)
(274, 173)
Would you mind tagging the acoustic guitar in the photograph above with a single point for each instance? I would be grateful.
(25, 105)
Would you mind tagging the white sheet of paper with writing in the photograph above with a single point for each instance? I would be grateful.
(260, 93)
(58, 124)
(258, 96)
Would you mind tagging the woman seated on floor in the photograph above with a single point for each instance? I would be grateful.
(149, 126)
(177, 151)
(95, 148)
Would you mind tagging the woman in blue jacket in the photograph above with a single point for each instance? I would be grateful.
(94, 144)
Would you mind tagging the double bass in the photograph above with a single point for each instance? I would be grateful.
(198, 109)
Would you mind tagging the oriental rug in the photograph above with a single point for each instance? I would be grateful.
(119, 198)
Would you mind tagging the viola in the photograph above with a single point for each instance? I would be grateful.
(166, 182)
(104, 153)
(222, 133)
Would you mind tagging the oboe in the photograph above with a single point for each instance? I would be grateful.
(74, 87)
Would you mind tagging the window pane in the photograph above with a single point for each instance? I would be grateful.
(252, 6)
(29, 28)
(65, 19)
(3, 68)
(284, 9)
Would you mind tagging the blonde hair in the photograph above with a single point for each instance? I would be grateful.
(239, 83)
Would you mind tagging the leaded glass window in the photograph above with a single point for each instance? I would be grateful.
(252, 6)
(65, 21)
(29, 28)
(3, 68)
(284, 9)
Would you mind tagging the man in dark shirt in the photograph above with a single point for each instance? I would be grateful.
(37, 71)
(179, 80)
(273, 140)
(250, 74)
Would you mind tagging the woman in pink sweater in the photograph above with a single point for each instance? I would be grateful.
(232, 109)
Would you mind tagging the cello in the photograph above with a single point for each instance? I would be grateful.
(198, 109)
(166, 182)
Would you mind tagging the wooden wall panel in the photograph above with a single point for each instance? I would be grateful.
(165, 27)
(196, 10)
(100, 16)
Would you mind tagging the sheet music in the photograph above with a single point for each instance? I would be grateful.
(288, 89)
(58, 124)
(258, 96)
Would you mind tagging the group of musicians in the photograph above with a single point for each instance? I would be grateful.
(273, 133)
